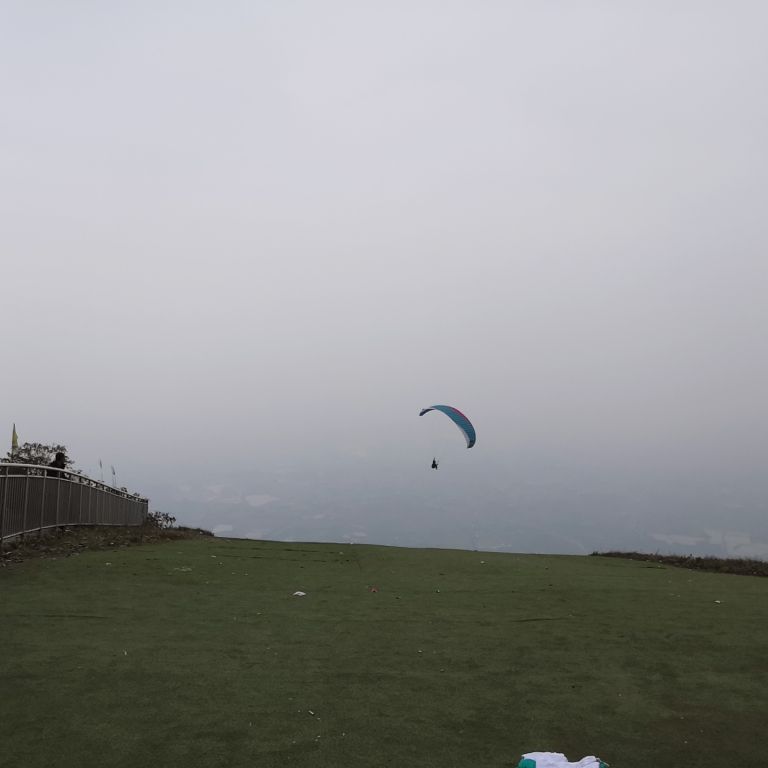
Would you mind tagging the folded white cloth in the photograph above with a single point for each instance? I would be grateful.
(557, 760)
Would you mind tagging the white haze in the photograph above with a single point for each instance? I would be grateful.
(244, 243)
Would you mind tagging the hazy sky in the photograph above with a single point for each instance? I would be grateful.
(238, 237)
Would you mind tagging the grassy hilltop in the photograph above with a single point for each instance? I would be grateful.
(196, 653)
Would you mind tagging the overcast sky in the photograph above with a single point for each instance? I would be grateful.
(246, 235)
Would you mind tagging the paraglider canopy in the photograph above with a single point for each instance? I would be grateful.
(458, 418)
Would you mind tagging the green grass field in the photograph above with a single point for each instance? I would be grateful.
(195, 653)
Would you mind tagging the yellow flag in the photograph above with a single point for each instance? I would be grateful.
(14, 441)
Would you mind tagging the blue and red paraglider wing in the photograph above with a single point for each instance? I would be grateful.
(458, 418)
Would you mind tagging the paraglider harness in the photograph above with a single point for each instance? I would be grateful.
(434, 463)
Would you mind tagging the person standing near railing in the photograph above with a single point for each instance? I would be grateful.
(60, 462)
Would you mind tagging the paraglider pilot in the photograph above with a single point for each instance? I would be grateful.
(434, 463)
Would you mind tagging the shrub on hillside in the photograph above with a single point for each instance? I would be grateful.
(739, 565)
(161, 520)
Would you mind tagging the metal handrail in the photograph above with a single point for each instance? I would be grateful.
(34, 498)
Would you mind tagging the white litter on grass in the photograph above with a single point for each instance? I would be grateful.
(717, 601)
(299, 594)
(558, 760)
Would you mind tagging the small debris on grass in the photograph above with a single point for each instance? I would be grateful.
(299, 594)
(373, 588)
(717, 601)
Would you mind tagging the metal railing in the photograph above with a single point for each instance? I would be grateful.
(34, 498)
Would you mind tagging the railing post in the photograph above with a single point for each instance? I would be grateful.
(2, 509)
(44, 477)
(26, 500)
(58, 494)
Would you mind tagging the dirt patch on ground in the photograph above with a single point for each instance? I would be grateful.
(69, 541)
(739, 565)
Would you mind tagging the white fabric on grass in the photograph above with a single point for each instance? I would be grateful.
(559, 760)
